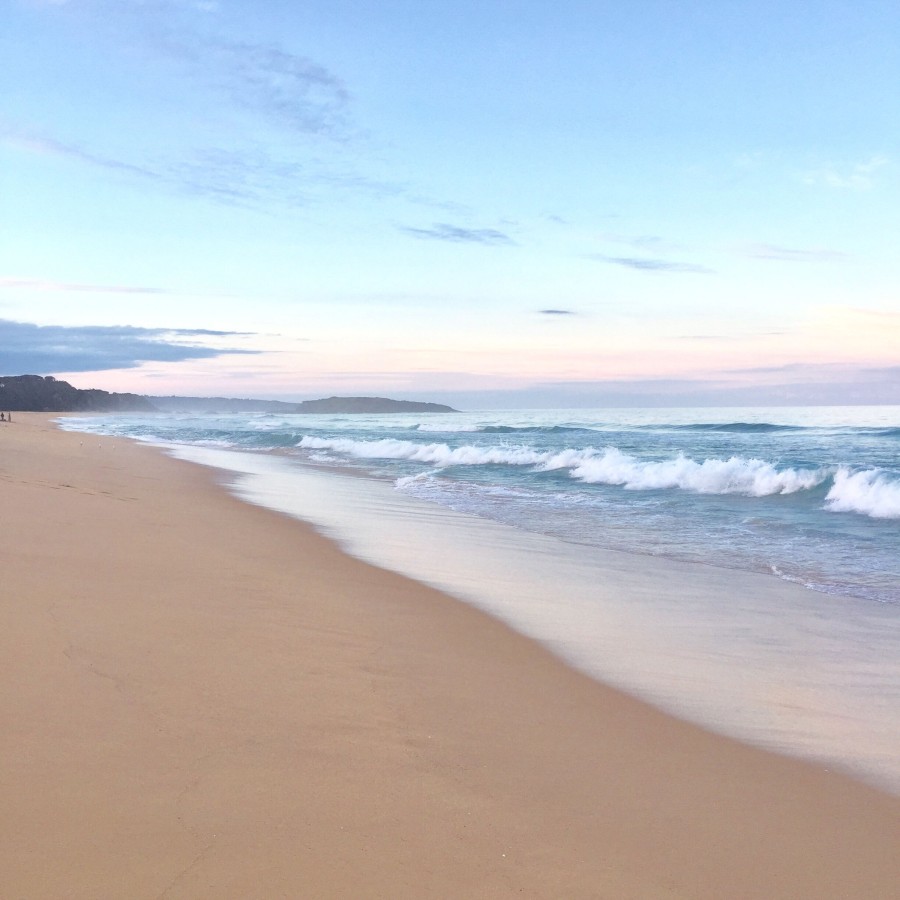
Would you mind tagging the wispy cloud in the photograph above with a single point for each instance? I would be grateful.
(248, 177)
(293, 90)
(231, 177)
(30, 142)
(37, 284)
(648, 243)
(259, 177)
(302, 143)
(650, 264)
(275, 129)
(50, 349)
(557, 312)
(788, 254)
(263, 111)
(241, 177)
(859, 177)
(441, 231)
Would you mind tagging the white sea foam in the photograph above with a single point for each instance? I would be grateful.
(568, 459)
(737, 475)
(433, 454)
(869, 492)
(753, 477)
(410, 481)
(444, 428)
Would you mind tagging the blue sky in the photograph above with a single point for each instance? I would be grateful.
(492, 204)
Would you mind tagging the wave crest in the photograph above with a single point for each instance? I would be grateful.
(433, 454)
(753, 477)
(869, 492)
(737, 475)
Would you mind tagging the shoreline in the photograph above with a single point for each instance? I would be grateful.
(767, 666)
(207, 698)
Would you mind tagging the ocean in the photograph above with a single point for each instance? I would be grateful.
(738, 567)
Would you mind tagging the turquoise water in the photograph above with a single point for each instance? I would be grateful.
(809, 495)
(736, 567)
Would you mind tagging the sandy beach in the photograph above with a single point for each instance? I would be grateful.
(202, 698)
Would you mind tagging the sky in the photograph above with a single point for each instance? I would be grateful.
(489, 204)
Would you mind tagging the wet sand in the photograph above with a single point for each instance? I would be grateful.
(202, 698)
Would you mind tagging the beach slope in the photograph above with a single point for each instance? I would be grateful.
(201, 698)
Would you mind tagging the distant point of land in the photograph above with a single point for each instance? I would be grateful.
(36, 393)
(370, 405)
(338, 405)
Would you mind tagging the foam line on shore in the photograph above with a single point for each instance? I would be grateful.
(747, 655)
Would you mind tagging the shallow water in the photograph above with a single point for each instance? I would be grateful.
(728, 645)
(811, 495)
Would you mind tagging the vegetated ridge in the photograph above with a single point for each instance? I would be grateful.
(36, 393)
(344, 405)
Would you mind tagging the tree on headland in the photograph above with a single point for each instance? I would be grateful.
(36, 393)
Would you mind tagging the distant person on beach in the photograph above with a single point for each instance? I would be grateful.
(2, 417)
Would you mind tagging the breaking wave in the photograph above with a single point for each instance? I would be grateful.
(434, 454)
(540, 429)
(869, 492)
(752, 477)
(445, 428)
(737, 475)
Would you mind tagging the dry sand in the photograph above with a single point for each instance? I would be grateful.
(200, 698)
